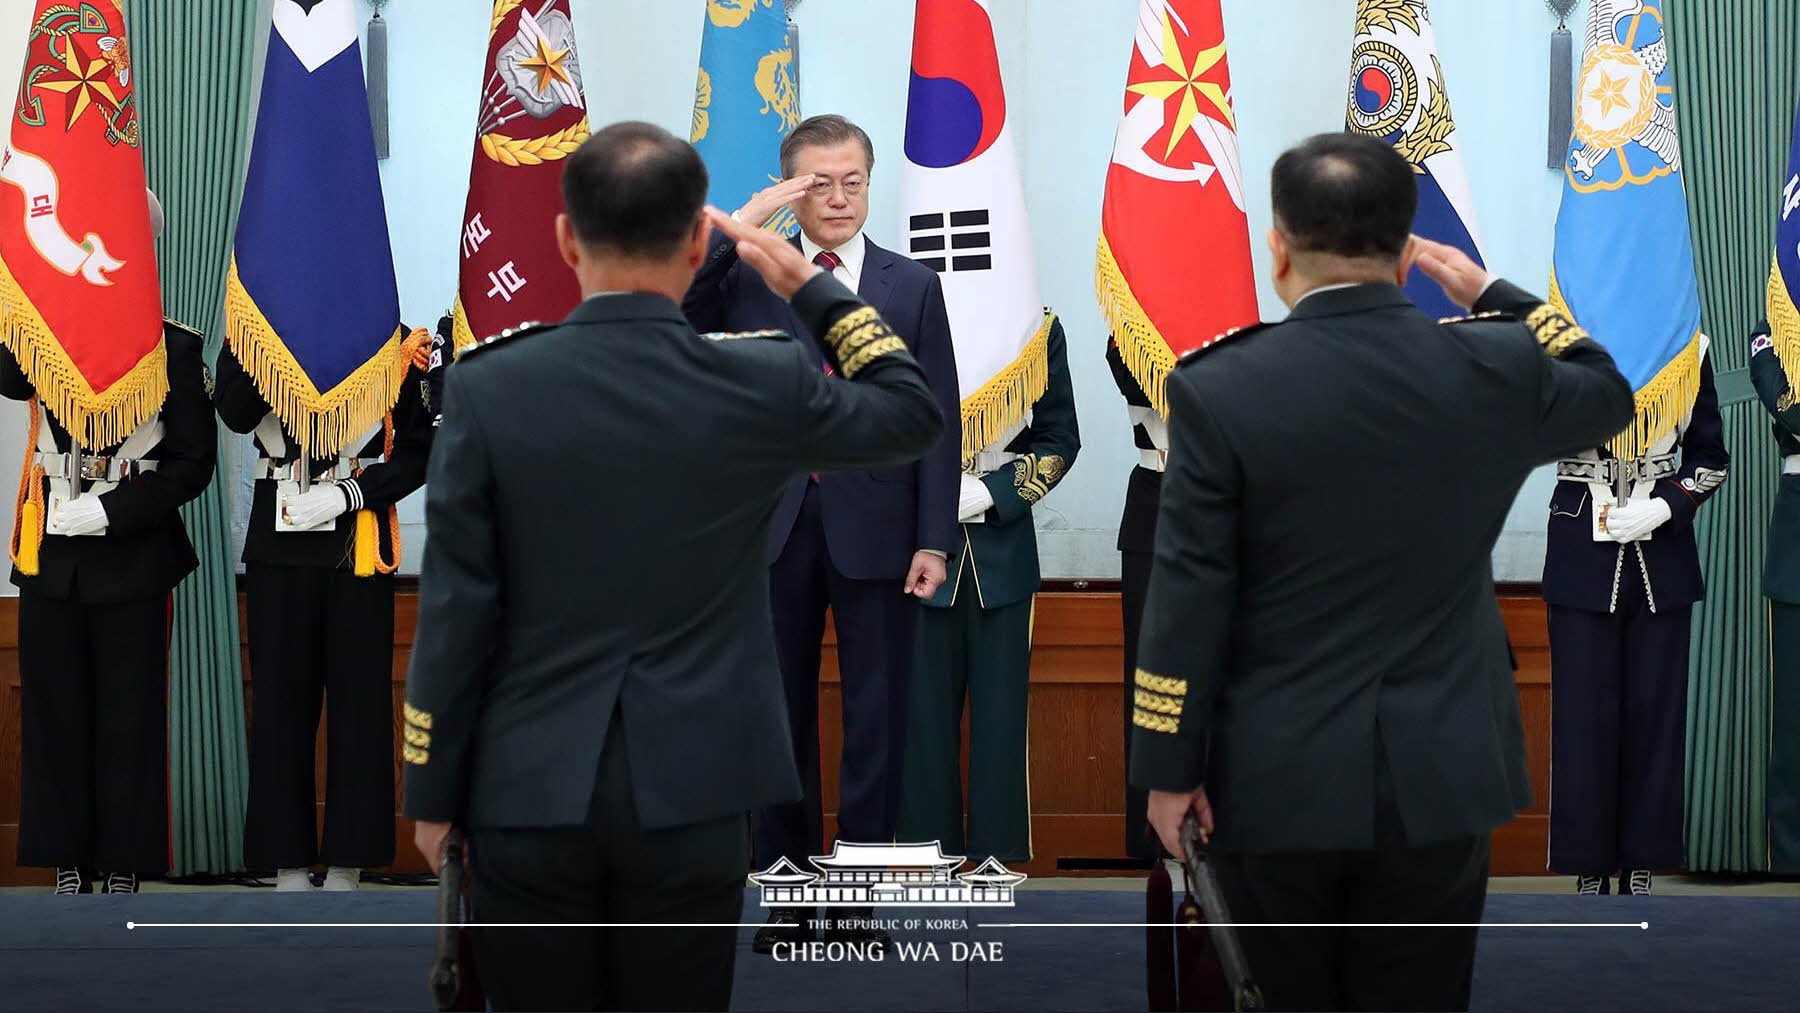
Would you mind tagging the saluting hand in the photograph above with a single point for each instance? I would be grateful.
(761, 209)
(1456, 273)
(782, 266)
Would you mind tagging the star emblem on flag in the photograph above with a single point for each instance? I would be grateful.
(1189, 80)
(86, 80)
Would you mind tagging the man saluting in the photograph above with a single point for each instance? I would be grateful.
(602, 734)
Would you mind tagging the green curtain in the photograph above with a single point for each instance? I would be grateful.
(194, 60)
(1737, 76)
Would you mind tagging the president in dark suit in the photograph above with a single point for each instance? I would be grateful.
(601, 734)
(1324, 679)
(853, 540)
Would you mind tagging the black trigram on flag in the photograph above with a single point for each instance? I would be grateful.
(957, 241)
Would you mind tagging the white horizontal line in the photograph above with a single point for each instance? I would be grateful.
(441, 925)
(1317, 925)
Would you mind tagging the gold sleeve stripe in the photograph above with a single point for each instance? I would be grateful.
(418, 717)
(1170, 705)
(1161, 684)
(414, 737)
(415, 756)
(861, 318)
(1555, 331)
(1154, 722)
(870, 352)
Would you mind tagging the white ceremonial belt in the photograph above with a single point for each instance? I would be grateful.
(94, 467)
(346, 467)
(1151, 458)
(1790, 465)
(1608, 471)
(989, 461)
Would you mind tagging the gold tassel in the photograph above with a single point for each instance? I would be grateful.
(1784, 330)
(367, 561)
(1662, 402)
(28, 508)
(30, 538)
(462, 337)
(98, 418)
(1005, 398)
(321, 422)
(368, 533)
(1146, 354)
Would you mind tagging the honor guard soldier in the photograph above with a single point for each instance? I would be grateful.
(1137, 544)
(975, 639)
(98, 547)
(602, 736)
(1781, 585)
(1621, 576)
(1324, 683)
(319, 557)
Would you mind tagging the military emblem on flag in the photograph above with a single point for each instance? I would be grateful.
(80, 303)
(1173, 271)
(532, 116)
(1784, 273)
(746, 101)
(963, 215)
(1624, 260)
(311, 308)
(1397, 95)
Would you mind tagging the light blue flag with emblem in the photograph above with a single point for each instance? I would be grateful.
(311, 307)
(1397, 95)
(1624, 262)
(746, 101)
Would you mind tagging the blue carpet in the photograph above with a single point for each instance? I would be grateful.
(60, 953)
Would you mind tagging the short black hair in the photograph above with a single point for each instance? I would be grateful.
(634, 190)
(1345, 195)
(827, 131)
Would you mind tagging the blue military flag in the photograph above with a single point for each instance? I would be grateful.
(1624, 261)
(746, 101)
(1397, 95)
(1784, 274)
(312, 310)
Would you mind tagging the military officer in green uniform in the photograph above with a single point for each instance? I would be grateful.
(975, 638)
(1781, 585)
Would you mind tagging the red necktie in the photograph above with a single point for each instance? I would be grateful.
(830, 262)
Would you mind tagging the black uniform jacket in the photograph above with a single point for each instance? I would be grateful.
(379, 486)
(596, 511)
(998, 558)
(1143, 489)
(145, 550)
(1781, 564)
(1321, 625)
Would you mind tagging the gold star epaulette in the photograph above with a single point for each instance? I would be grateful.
(740, 335)
(1235, 334)
(1475, 318)
(171, 324)
(503, 337)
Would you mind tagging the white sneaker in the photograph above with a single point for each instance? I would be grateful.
(293, 880)
(341, 880)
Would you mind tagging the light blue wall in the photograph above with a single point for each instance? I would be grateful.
(1065, 63)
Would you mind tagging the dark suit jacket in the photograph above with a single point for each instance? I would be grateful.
(1322, 615)
(1781, 563)
(145, 551)
(998, 558)
(380, 485)
(875, 519)
(598, 500)
(1579, 572)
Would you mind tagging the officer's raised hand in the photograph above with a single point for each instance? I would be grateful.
(1456, 272)
(762, 208)
(782, 266)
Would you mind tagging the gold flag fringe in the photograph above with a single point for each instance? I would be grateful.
(1145, 352)
(1784, 330)
(1005, 398)
(462, 336)
(99, 419)
(1662, 402)
(322, 423)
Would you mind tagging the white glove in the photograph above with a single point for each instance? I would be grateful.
(973, 500)
(315, 506)
(83, 515)
(1635, 520)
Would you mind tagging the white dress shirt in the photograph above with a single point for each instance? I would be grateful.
(850, 255)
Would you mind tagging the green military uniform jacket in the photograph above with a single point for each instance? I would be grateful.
(998, 558)
(1781, 564)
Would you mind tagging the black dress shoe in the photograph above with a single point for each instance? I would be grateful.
(1591, 886)
(1637, 881)
(857, 925)
(71, 881)
(121, 882)
(786, 925)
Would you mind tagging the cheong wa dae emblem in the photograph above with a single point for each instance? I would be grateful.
(892, 875)
(1624, 102)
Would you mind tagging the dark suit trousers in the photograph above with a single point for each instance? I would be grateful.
(1134, 587)
(875, 621)
(94, 684)
(320, 635)
(1618, 731)
(1361, 968)
(610, 871)
(1784, 746)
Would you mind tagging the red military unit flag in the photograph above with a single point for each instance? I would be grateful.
(80, 303)
(532, 116)
(1168, 290)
